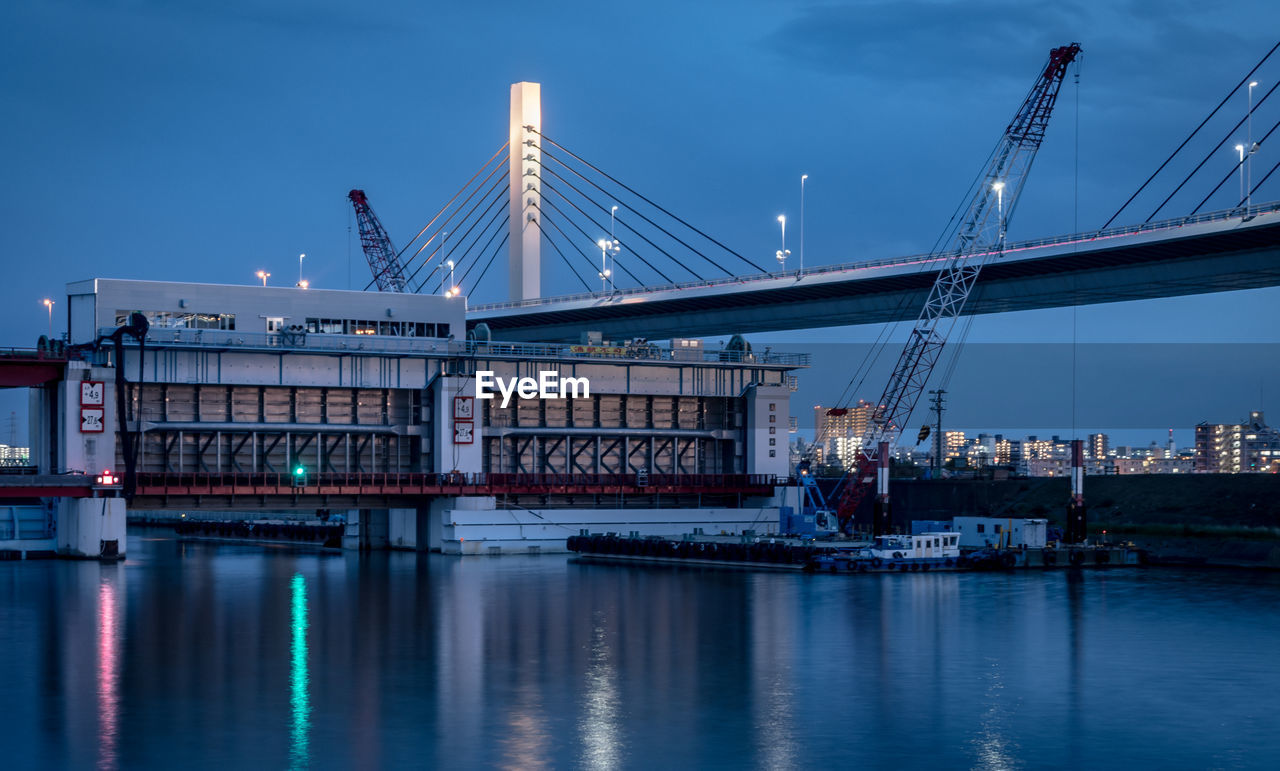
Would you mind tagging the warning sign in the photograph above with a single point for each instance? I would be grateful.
(464, 432)
(92, 420)
(91, 393)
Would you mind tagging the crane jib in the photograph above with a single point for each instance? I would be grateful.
(980, 236)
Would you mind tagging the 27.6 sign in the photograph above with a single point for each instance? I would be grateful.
(92, 420)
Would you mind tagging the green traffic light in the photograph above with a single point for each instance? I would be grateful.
(299, 471)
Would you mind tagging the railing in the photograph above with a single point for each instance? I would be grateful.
(374, 483)
(381, 344)
(1085, 236)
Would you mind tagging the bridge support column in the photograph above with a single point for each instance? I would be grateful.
(525, 236)
(367, 529)
(406, 529)
(90, 528)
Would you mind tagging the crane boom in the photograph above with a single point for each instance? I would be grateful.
(384, 261)
(979, 238)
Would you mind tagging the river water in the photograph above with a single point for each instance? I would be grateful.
(232, 657)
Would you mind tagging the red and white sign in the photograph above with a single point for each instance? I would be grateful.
(92, 420)
(92, 394)
(464, 432)
(464, 408)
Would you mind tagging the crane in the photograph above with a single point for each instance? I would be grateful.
(979, 238)
(384, 261)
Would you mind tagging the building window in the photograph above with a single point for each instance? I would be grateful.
(773, 407)
(275, 324)
(773, 429)
(773, 453)
(773, 418)
(773, 442)
(982, 528)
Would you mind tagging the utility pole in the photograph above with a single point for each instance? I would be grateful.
(939, 404)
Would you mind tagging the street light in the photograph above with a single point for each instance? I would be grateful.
(607, 246)
(999, 188)
(449, 292)
(1248, 186)
(1240, 149)
(784, 252)
(262, 274)
(803, 177)
(304, 284)
(49, 304)
(300, 256)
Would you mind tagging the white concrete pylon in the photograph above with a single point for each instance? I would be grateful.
(525, 237)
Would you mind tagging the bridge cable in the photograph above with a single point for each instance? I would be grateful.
(629, 227)
(465, 252)
(640, 257)
(471, 266)
(449, 219)
(1210, 154)
(543, 216)
(1234, 169)
(1190, 136)
(505, 145)
(465, 217)
(566, 237)
(496, 252)
(1264, 179)
(646, 200)
(670, 235)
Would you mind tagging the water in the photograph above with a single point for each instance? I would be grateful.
(236, 657)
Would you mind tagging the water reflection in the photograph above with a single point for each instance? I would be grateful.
(206, 652)
(108, 669)
(299, 682)
(599, 726)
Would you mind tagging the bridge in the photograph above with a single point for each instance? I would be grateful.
(1212, 252)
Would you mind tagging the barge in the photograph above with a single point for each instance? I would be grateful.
(919, 553)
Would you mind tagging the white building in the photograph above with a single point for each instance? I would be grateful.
(978, 532)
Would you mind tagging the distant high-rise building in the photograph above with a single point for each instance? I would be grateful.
(1098, 446)
(1237, 448)
(839, 431)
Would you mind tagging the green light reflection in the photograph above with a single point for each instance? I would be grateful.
(299, 699)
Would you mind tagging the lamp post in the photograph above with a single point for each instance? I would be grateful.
(784, 252)
(607, 246)
(300, 256)
(999, 188)
(262, 274)
(803, 177)
(1240, 150)
(1248, 185)
(49, 304)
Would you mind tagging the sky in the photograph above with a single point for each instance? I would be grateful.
(204, 140)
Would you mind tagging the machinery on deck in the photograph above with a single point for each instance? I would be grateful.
(384, 261)
(978, 239)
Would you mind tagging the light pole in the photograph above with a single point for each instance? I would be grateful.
(49, 304)
(262, 274)
(784, 252)
(803, 177)
(607, 246)
(613, 213)
(300, 256)
(999, 188)
(1248, 185)
(1240, 149)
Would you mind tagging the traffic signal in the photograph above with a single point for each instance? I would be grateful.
(299, 475)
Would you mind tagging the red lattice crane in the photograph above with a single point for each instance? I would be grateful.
(384, 261)
(979, 239)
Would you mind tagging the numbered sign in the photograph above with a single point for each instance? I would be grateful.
(92, 420)
(464, 432)
(464, 408)
(91, 393)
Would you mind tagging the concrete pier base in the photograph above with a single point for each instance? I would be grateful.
(367, 529)
(90, 528)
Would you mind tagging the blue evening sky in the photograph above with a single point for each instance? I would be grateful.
(203, 140)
